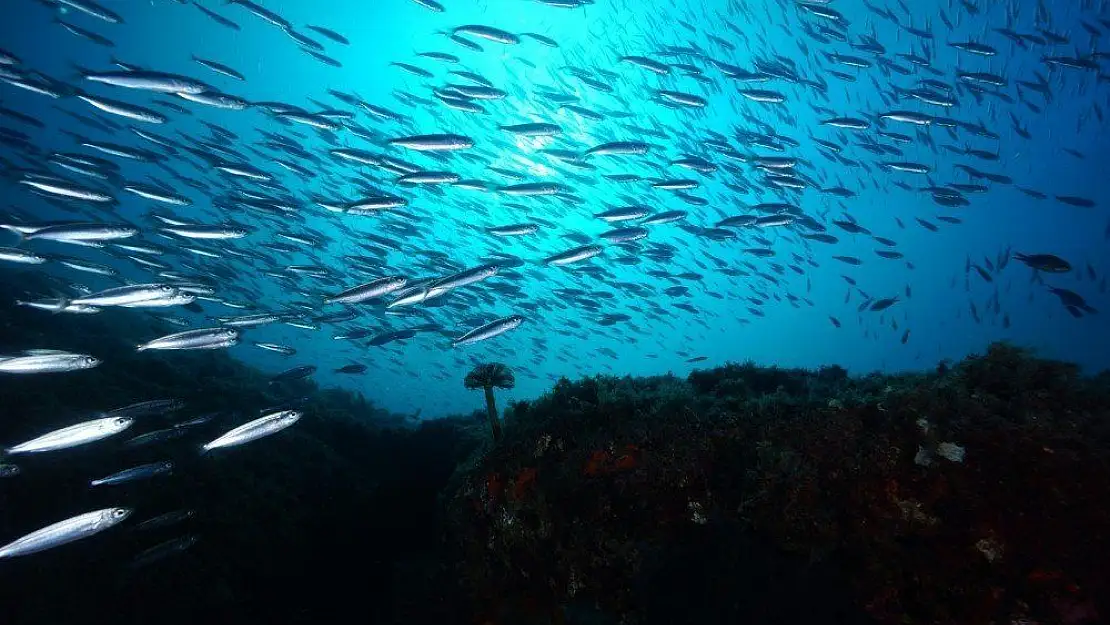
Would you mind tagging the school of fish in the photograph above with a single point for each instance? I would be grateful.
(524, 212)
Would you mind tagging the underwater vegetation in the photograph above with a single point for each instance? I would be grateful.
(486, 377)
(975, 494)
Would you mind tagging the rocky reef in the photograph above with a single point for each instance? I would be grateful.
(975, 494)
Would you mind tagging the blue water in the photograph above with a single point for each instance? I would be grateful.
(562, 336)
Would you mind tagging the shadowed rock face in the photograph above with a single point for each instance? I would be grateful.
(721, 573)
(748, 494)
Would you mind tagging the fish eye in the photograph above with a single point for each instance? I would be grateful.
(121, 421)
(119, 512)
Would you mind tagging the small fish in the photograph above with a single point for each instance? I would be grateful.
(46, 361)
(353, 369)
(166, 519)
(253, 430)
(149, 81)
(434, 143)
(150, 408)
(163, 550)
(284, 350)
(74, 435)
(371, 290)
(22, 257)
(140, 472)
(67, 531)
(488, 33)
(883, 304)
(296, 373)
(489, 330)
(1044, 262)
(330, 34)
(91, 8)
(205, 338)
(574, 255)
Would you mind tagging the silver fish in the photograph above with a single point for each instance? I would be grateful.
(46, 361)
(74, 435)
(149, 408)
(158, 195)
(370, 290)
(84, 233)
(93, 9)
(87, 267)
(24, 257)
(468, 276)
(140, 472)
(67, 189)
(575, 255)
(59, 306)
(67, 531)
(149, 81)
(125, 295)
(263, 426)
(123, 109)
(216, 100)
(489, 330)
(204, 338)
(434, 143)
(284, 350)
(417, 295)
(176, 298)
(513, 230)
(197, 231)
